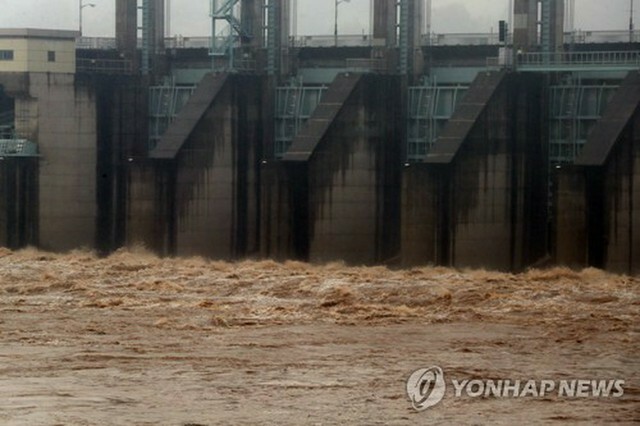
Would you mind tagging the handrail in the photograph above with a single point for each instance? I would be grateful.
(561, 59)
(104, 66)
(363, 40)
(365, 65)
(18, 148)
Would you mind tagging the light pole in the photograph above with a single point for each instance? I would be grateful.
(80, 7)
(335, 27)
(631, 27)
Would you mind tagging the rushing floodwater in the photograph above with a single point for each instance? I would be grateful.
(134, 339)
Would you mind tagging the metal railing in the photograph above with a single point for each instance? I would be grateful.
(104, 66)
(578, 59)
(188, 42)
(583, 37)
(366, 65)
(493, 62)
(165, 103)
(100, 43)
(360, 40)
(18, 148)
(574, 109)
(363, 40)
(245, 65)
(295, 104)
(430, 107)
(462, 39)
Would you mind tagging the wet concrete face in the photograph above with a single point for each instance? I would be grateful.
(635, 238)
(216, 176)
(421, 195)
(147, 214)
(342, 193)
(18, 202)
(65, 131)
(621, 194)
(354, 179)
(491, 207)
(499, 183)
(343, 204)
(281, 187)
(337, 194)
(122, 146)
(596, 222)
(570, 218)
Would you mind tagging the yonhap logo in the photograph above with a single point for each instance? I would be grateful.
(426, 387)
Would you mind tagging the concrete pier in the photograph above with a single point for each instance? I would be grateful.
(343, 177)
(598, 223)
(18, 202)
(484, 182)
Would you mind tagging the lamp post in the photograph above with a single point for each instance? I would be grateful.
(80, 7)
(631, 27)
(335, 27)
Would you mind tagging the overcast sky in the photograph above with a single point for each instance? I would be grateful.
(190, 17)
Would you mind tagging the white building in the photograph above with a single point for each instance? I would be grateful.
(37, 50)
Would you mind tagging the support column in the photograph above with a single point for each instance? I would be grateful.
(153, 50)
(397, 24)
(414, 31)
(127, 29)
(157, 31)
(252, 18)
(127, 32)
(526, 35)
(525, 24)
(384, 22)
(557, 25)
(277, 34)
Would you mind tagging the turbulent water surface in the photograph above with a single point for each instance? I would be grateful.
(134, 339)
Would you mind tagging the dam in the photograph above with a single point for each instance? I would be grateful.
(399, 147)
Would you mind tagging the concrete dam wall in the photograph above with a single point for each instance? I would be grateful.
(598, 197)
(484, 183)
(342, 175)
(342, 191)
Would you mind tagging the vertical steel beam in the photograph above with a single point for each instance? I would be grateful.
(272, 36)
(410, 13)
(146, 36)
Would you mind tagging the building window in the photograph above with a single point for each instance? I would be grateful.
(51, 56)
(6, 55)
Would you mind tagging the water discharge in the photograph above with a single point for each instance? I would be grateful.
(136, 339)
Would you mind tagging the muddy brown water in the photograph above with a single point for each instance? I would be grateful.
(136, 340)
